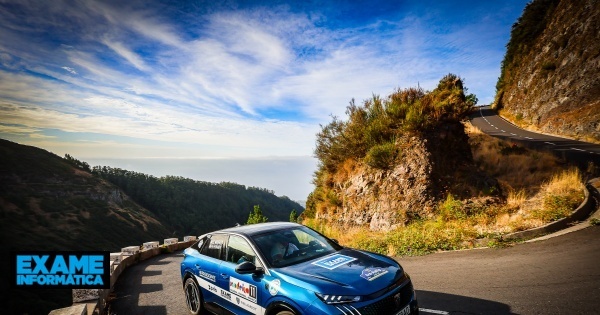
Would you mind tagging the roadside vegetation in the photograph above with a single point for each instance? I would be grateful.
(536, 189)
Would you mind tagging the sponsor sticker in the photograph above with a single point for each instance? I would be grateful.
(212, 288)
(241, 302)
(207, 276)
(225, 294)
(215, 244)
(60, 270)
(243, 289)
(372, 273)
(333, 261)
(274, 287)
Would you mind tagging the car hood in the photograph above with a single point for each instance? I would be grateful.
(346, 272)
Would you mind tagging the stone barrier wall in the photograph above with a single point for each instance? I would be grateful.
(94, 301)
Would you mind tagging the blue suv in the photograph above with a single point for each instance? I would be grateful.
(285, 268)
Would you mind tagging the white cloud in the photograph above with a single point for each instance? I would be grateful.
(212, 86)
(127, 54)
(70, 70)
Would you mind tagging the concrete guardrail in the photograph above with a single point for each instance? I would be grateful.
(589, 204)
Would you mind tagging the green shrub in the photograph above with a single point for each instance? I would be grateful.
(452, 209)
(554, 208)
(382, 156)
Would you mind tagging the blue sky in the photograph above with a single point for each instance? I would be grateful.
(226, 79)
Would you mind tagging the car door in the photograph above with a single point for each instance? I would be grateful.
(243, 289)
(208, 272)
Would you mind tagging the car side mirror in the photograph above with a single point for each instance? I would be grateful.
(247, 267)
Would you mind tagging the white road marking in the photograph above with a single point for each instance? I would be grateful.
(578, 149)
(426, 310)
(502, 130)
(550, 143)
(528, 138)
(514, 134)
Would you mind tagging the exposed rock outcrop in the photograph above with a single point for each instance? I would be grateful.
(431, 166)
(551, 76)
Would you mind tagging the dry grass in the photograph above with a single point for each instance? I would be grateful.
(516, 198)
(518, 168)
(537, 189)
(564, 183)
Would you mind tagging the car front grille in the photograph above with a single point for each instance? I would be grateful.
(385, 306)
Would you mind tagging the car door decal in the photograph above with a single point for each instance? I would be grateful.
(233, 298)
(243, 289)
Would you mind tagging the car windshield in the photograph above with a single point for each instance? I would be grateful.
(291, 246)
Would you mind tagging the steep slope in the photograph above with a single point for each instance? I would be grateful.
(194, 207)
(51, 203)
(550, 79)
(47, 203)
(395, 159)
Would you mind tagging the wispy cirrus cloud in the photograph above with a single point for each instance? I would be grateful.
(156, 72)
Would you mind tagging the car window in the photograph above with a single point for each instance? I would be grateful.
(198, 245)
(291, 246)
(215, 246)
(238, 251)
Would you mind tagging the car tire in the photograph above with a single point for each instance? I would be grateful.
(193, 297)
(285, 313)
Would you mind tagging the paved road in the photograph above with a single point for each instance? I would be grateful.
(572, 150)
(556, 276)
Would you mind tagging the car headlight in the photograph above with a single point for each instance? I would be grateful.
(337, 299)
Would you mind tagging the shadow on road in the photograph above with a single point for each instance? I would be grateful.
(139, 287)
(456, 304)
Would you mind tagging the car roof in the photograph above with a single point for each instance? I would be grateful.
(259, 228)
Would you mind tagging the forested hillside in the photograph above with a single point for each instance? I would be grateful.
(53, 203)
(47, 203)
(195, 207)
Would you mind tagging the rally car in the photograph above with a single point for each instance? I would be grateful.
(283, 268)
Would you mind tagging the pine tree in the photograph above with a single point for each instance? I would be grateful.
(293, 216)
(256, 216)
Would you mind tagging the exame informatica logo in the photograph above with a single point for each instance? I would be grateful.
(73, 270)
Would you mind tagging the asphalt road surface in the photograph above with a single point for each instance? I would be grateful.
(574, 151)
(560, 275)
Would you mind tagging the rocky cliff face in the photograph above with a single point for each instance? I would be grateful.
(551, 78)
(432, 165)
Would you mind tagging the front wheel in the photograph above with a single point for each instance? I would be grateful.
(285, 313)
(193, 297)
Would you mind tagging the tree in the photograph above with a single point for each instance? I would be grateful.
(256, 216)
(293, 216)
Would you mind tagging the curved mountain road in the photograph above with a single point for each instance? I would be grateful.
(560, 275)
(578, 152)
